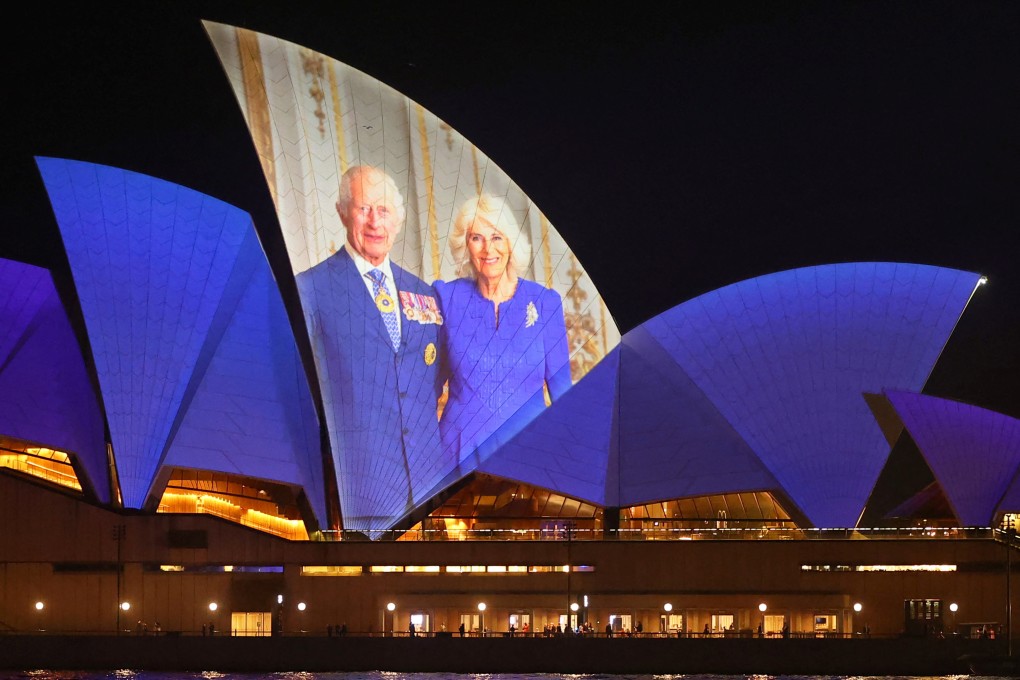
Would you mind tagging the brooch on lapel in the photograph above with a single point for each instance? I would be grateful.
(531, 316)
(420, 308)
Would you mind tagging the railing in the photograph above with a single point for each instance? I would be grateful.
(676, 534)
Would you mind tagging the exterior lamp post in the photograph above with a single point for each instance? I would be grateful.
(668, 607)
(857, 610)
(388, 619)
(573, 609)
(761, 628)
(481, 619)
(39, 607)
(953, 607)
(212, 623)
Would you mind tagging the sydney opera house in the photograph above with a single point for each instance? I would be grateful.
(200, 439)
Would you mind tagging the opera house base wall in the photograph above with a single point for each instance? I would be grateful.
(69, 567)
(492, 655)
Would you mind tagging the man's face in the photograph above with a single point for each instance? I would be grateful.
(371, 218)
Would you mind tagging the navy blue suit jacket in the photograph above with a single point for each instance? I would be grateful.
(380, 405)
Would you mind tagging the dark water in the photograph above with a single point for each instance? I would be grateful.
(379, 675)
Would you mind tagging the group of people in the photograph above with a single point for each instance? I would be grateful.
(392, 341)
(339, 630)
(142, 628)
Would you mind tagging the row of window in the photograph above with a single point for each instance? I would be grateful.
(878, 567)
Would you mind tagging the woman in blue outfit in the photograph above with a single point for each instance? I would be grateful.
(504, 336)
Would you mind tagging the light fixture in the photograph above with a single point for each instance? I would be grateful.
(574, 606)
(983, 280)
(762, 607)
(125, 605)
(213, 606)
(667, 607)
(390, 606)
(301, 606)
(858, 607)
(481, 606)
(279, 599)
(40, 606)
(953, 607)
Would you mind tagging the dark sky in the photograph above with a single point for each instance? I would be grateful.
(678, 147)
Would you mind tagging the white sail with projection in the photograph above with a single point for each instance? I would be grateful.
(419, 393)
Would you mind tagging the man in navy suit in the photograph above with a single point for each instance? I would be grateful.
(374, 330)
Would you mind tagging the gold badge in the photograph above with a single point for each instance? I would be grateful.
(430, 354)
(384, 301)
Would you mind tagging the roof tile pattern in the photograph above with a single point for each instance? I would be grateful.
(45, 393)
(974, 453)
(786, 358)
(162, 272)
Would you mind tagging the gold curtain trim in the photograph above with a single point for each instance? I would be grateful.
(338, 120)
(429, 196)
(546, 252)
(257, 101)
(474, 165)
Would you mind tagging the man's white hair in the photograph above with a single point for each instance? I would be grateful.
(372, 175)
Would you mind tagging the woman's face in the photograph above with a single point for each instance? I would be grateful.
(489, 249)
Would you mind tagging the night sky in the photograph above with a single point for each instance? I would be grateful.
(678, 147)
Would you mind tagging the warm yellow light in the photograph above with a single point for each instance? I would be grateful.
(213, 606)
(574, 606)
(953, 607)
(390, 606)
(762, 607)
(40, 606)
(667, 607)
(125, 606)
(481, 606)
(858, 607)
(301, 606)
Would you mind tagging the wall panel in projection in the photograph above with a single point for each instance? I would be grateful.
(45, 393)
(974, 453)
(416, 200)
(169, 281)
(787, 357)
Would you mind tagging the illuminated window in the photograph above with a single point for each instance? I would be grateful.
(422, 570)
(878, 567)
(252, 503)
(331, 571)
(48, 464)
(386, 569)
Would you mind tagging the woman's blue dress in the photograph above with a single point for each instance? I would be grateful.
(497, 371)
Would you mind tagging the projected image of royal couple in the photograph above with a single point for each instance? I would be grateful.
(496, 339)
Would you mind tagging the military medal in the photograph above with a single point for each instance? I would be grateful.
(384, 301)
(430, 354)
(420, 308)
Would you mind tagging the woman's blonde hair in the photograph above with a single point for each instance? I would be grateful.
(495, 211)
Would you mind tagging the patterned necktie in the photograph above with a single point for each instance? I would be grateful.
(386, 304)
